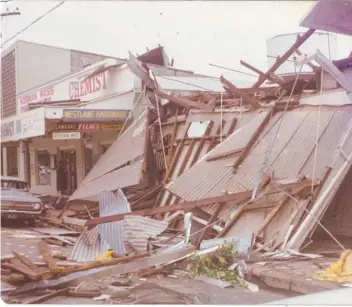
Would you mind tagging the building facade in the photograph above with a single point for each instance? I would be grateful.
(26, 65)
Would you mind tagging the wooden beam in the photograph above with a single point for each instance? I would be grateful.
(272, 214)
(232, 88)
(182, 102)
(253, 139)
(273, 77)
(236, 197)
(214, 138)
(232, 221)
(49, 260)
(300, 40)
(212, 219)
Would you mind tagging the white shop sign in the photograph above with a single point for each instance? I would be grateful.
(72, 88)
(66, 135)
(33, 123)
(25, 125)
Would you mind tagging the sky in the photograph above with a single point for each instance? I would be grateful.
(194, 33)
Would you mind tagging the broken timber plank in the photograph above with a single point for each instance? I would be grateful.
(18, 266)
(232, 88)
(183, 102)
(45, 297)
(212, 219)
(26, 261)
(241, 196)
(253, 139)
(49, 260)
(114, 270)
(273, 77)
(300, 40)
(272, 214)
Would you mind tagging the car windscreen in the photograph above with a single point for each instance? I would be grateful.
(12, 184)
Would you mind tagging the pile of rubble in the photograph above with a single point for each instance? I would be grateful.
(255, 167)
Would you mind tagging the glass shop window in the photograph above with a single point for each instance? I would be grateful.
(104, 148)
(44, 170)
(12, 161)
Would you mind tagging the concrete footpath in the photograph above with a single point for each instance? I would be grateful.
(292, 275)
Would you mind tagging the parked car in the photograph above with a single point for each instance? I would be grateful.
(17, 202)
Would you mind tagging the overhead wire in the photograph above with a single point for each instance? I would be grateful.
(33, 22)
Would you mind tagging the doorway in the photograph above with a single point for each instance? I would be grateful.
(68, 157)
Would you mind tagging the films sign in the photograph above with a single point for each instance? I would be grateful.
(74, 115)
(86, 126)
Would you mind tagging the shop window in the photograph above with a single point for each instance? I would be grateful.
(44, 170)
(12, 161)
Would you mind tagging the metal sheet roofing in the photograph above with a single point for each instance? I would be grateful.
(112, 233)
(123, 177)
(138, 229)
(296, 139)
(127, 147)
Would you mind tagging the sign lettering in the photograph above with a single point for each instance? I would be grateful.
(89, 85)
(95, 115)
(86, 126)
(42, 95)
(66, 135)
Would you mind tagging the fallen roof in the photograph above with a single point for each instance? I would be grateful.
(296, 140)
(330, 15)
(122, 163)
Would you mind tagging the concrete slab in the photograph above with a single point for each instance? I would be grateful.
(296, 276)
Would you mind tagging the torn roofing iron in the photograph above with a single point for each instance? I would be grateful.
(123, 177)
(112, 233)
(199, 150)
(296, 140)
(138, 229)
(87, 246)
(121, 165)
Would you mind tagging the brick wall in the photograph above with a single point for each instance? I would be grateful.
(8, 83)
(81, 59)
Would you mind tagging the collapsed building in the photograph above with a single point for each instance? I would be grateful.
(270, 160)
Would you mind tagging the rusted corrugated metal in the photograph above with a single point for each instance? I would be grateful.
(112, 233)
(123, 177)
(138, 229)
(295, 140)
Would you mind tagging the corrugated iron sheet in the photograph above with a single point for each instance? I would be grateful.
(296, 139)
(123, 177)
(112, 233)
(87, 246)
(129, 146)
(138, 229)
(243, 119)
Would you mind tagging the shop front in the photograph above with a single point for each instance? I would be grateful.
(62, 158)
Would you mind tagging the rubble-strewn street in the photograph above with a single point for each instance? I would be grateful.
(130, 181)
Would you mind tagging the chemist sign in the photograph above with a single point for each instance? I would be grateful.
(91, 115)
